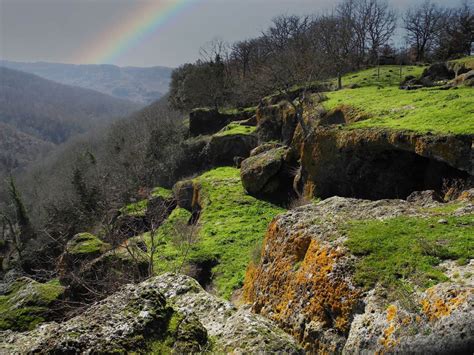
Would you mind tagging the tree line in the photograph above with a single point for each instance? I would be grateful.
(295, 49)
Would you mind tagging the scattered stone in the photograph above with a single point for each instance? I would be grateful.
(443, 221)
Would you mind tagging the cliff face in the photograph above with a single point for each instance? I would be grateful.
(308, 281)
(378, 163)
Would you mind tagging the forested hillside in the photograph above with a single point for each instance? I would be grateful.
(37, 113)
(140, 85)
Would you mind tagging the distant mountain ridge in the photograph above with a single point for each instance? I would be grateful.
(140, 85)
(36, 114)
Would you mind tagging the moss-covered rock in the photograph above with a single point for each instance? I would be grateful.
(276, 123)
(166, 314)
(225, 146)
(269, 172)
(27, 303)
(322, 264)
(137, 318)
(208, 121)
(86, 245)
(378, 163)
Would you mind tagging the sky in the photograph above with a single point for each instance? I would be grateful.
(90, 31)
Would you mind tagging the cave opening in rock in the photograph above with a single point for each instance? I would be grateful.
(386, 174)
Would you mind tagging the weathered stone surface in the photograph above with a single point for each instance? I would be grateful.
(380, 163)
(233, 330)
(268, 170)
(166, 314)
(133, 319)
(208, 121)
(184, 194)
(304, 282)
(24, 303)
(446, 323)
(276, 122)
(222, 149)
(425, 198)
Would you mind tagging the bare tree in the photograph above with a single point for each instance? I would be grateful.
(378, 22)
(339, 42)
(423, 25)
(457, 32)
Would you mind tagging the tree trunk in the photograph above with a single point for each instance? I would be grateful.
(339, 81)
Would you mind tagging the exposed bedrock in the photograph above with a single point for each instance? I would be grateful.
(379, 163)
(168, 314)
(208, 121)
(306, 281)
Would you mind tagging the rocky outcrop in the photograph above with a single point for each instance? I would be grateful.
(208, 121)
(223, 148)
(269, 170)
(379, 163)
(305, 282)
(166, 314)
(276, 123)
(234, 330)
(25, 303)
(444, 326)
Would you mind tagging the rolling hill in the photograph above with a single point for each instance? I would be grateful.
(140, 85)
(54, 112)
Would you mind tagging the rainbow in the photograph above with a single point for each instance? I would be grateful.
(148, 18)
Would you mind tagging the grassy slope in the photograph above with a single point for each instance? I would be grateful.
(403, 252)
(235, 128)
(424, 110)
(231, 226)
(385, 75)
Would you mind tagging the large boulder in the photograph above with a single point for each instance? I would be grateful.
(135, 319)
(223, 148)
(268, 171)
(166, 314)
(313, 282)
(234, 330)
(276, 123)
(25, 303)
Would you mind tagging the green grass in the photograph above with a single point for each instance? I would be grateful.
(424, 110)
(235, 128)
(137, 209)
(26, 304)
(86, 243)
(468, 62)
(406, 250)
(385, 75)
(161, 192)
(231, 225)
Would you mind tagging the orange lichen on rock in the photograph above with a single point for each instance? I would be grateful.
(299, 278)
(387, 339)
(436, 307)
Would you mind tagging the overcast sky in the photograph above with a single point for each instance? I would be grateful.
(57, 30)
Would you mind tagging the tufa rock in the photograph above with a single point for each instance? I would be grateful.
(222, 149)
(304, 282)
(209, 121)
(25, 303)
(268, 170)
(166, 314)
